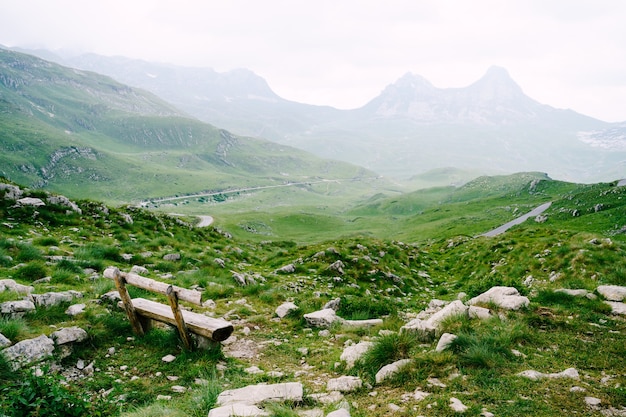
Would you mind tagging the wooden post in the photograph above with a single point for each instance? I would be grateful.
(178, 316)
(128, 304)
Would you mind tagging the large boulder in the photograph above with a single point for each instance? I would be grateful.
(322, 318)
(4, 342)
(344, 384)
(31, 201)
(61, 200)
(423, 329)
(257, 394)
(353, 353)
(11, 192)
(10, 285)
(69, 335)
(455, 308)
(388, 371)
(50, 299)
(16, 308)
(28, 351)
(507, 298)
(612, 292)
(284, 309)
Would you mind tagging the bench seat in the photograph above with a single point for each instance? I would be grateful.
(211, 328)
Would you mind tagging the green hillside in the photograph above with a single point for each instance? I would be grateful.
(85, 135)
(580, 246)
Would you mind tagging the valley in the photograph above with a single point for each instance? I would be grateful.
(357, 288)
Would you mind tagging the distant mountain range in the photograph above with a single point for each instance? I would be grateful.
(411, 128)
(88, 136)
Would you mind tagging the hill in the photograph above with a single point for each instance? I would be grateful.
(412, 127)
(557, 350)
(86, 135)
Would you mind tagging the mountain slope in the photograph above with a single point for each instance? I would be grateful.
(86, 135)
(412, 127)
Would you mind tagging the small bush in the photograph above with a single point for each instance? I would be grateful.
(13, 329)
(386, 350)
(27, 253)
(46, 241)
(44, 396)
(31, 271)
(358, 308)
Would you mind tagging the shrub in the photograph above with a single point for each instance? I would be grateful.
(31, 271)
(358, 308)
(13, 328)
(387, 349)
(43, 396)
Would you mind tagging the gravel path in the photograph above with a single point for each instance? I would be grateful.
(534, 213)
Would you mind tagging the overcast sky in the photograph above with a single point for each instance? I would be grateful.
(565, 53)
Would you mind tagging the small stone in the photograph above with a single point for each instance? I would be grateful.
(179, 389)
(457, 405)
(168, 358)
(576, 388)
(172, 378)
(111, 351)
(593, 402)
(164, 397)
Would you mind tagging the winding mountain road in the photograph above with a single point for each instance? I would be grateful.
(533, 213)
(205, 221)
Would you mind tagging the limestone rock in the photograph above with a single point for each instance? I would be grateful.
(457, 405)
(455, 308)
(172, 257)
(4, 342)
(504, 297)
(17, 308)
(11, 285)
(617, 308)
(111, 297)
(362, 324)
(480, 313)
(139, 270)
(287, 269)
(389, 370)
(11, 192)
(60, 200)
(322, 318)
(612, 292)
(334, 304)
(237, 410)
(573, 293)
(31, 201)
(342, 412)
(75, 309)
(256, 394)
(332, 397)
(284, 309)
(353, 353)
(445, 341)
(28, 351)
(344, 384)
(69, 335)
(50, 299)
(423, 329)
(535, 375)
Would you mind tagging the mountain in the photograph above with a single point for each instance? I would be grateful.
(412, 127)
(87, 135)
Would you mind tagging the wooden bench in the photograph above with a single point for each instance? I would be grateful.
(140, 309)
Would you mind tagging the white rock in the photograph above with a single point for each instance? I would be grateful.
(28, 351)
(161, 397)
(209, 304)
(75, 309)
(423, 330)
(253, 370)
(332, 397)
(457, 405)
(504, 297)
(4, 341)
(342, 412)
(168, 358)
(535, 375)
(388, 371)
(480, 313)
(17, 308)
(455, 308)
(361, 324)
(256, 394)
(344, 384)
(139, 270)
(179, 388)
(445, 341)
(353, 353)
(612, 292)
(55, 298)
(593, 402)
(69, 335)
(617, 308)
(419, 395)
(284, 309)
(11, 285)
(31, 201)
(237, 410)
(573, 293)
(322, 318)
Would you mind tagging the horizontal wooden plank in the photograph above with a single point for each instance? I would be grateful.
(212, 328)
(149, 284)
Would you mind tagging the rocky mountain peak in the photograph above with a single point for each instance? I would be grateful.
(497, 85)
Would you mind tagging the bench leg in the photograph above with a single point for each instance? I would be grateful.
(178, 315)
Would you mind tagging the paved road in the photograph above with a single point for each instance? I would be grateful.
(534, 213)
